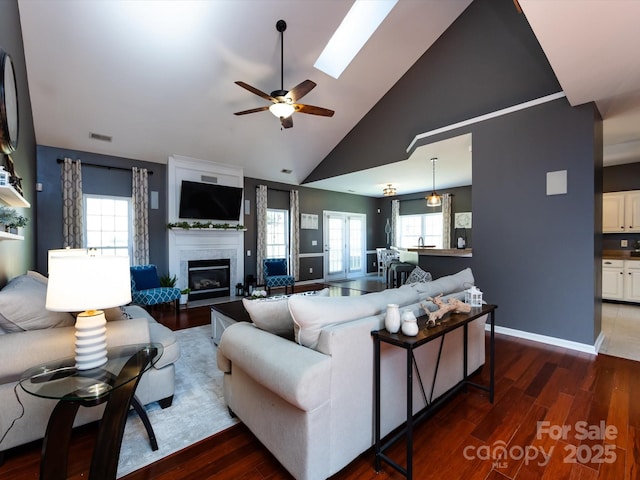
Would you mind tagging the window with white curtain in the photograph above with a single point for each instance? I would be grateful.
(277, 233)
(108, 222)
(428, 226)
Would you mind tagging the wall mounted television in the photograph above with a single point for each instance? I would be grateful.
(208, 201)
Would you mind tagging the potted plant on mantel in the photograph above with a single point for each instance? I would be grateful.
(10, 220)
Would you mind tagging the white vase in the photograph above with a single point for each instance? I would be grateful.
(392, 318)
(409, 323)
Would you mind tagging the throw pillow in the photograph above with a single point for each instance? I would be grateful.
(272, 313)
(276, 268)
(311, 315)
(418, 275)
(145, 277)
(22, 306)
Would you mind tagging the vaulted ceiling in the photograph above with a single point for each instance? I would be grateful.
(158, 77)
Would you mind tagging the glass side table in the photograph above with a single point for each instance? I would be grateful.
(114, 382)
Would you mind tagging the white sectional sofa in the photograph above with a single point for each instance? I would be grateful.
(312, 405)
(30, 335)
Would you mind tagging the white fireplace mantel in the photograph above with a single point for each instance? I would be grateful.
(202, 243)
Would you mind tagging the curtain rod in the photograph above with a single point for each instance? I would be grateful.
(60, 160)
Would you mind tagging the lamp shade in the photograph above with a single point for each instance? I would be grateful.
(81, 281)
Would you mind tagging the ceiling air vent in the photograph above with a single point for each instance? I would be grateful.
(286, 170)
(98, 136)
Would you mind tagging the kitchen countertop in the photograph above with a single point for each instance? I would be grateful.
(442, 252)
(618, 255)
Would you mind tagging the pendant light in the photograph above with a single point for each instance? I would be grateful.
(434, 200)
(389, 190)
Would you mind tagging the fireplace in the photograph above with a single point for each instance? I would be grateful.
(209, 278)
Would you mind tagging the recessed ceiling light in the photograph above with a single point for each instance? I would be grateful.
(358, 25)
(286, 170)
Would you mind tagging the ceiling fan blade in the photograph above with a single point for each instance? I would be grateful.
(300, 90)
(323, 112)
(256, 91)
(253, 110)
(287, 122)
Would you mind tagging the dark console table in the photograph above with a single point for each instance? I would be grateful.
(114, 382)
(450, 323)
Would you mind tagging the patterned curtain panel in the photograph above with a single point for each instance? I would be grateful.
(140, 197)
(395, 222)
(294, 242)
(72, 204)
(261, 218)
(446, 220)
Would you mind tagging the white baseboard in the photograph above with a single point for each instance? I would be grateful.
(558, 342)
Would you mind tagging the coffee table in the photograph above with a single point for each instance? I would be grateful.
(225, 314)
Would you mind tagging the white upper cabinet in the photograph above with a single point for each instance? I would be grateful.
(621, 212)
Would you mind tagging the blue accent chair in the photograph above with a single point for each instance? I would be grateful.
(275, 274)
(146, 289)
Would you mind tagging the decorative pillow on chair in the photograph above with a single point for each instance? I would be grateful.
(276, 268)
(272, 314)
(418, 275)
(146, 277)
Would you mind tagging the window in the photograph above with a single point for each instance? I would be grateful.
(427, 226)
(277, 233)
(108, 224)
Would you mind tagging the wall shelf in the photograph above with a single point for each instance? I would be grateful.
(10, 236)
(11, 197)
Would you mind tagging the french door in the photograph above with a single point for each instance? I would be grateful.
(344, 245)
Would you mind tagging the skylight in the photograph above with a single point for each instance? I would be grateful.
(357, 27)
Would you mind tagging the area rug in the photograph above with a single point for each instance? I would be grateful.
(198, 409)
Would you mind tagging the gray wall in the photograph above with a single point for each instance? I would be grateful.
(99, 181)
(537, 257)
(312, 201)
(18, 256)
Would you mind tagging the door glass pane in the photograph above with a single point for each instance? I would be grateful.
(336, 245)
(355, 244)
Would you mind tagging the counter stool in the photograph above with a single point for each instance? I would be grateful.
(398, 273)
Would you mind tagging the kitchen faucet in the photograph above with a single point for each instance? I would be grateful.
(421, 242)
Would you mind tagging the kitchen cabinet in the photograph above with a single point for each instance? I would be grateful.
(621, 280)
(613, 279)
(631, 281)
(621, 212)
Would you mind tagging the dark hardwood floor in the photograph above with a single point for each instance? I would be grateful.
(558, 414)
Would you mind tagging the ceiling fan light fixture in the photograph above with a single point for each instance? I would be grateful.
(282, 110)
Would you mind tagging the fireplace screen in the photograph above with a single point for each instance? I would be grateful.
(209, 279)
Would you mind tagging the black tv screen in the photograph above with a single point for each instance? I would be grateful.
(207, 201)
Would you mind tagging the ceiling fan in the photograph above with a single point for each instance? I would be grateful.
(284, 103)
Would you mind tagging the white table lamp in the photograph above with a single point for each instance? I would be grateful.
(86, 282)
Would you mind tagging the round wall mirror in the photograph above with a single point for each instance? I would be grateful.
(8, 105)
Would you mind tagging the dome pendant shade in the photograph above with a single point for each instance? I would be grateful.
(434, 200)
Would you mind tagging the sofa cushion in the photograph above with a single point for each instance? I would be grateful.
(418, 275)
(272, 313)
(145, 277)
(311, 315)
(22, 306)
(457, 282)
